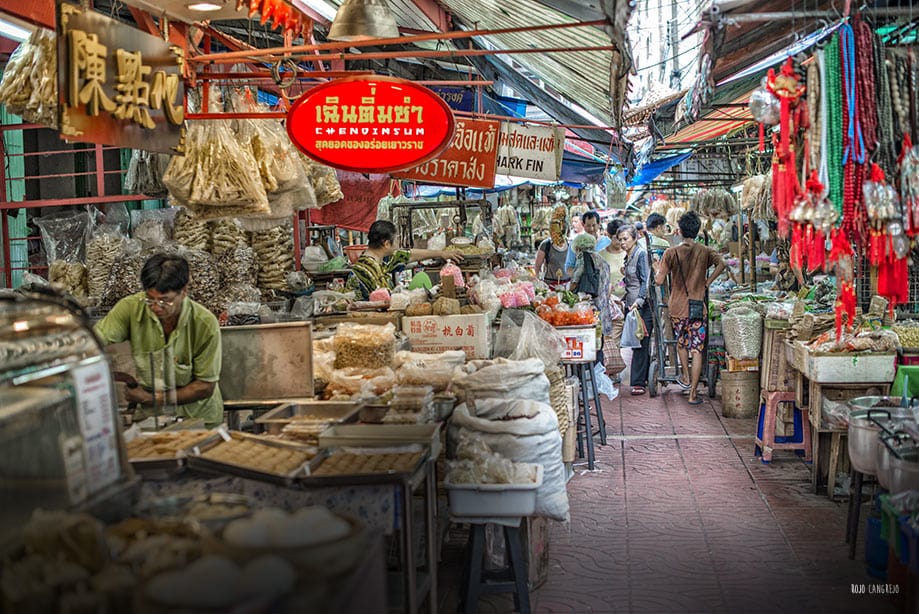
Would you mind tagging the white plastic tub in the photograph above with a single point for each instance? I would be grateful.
(850, 367)
(494, 500)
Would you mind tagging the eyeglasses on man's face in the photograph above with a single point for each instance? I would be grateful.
(161, 303)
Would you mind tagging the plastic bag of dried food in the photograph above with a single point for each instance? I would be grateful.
(105, 245)
(242, 314)
(69, 277)
(238, 265)
(353, 380)
(153, 227)
(523, 335)
(29, 84)
(145, 173)
(124, 278)
(438, 376)
(190, 231)
(64, 236)
(274, 253)
(742, 328)
(367, 346)
(225, 234)
(281, 209)
(204, 279)
(216, 177)
(325, 184)
(278, 162)
(326, 302)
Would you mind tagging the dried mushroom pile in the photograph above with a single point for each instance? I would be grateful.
(204, 282)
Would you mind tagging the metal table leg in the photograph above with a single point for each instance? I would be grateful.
(601, 422)
(855, 508)
(588, 430)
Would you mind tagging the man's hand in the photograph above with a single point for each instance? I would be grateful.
(138, 395)
(450, 254)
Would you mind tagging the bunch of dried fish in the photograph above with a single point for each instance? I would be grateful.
(29, 84)
(204, 279)
(237, 265)
(69, 276)
(190, 231)
(762, 200)
(216, 177)
(145, 173)
(225, 234)
(274, 253)
(714, 203)
(103, 249)
(325, 184)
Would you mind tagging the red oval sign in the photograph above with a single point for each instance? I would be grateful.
(370, 124)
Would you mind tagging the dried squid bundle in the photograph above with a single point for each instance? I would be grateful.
(29, 84)
(190, 231)
(145, 173)
(216, 177)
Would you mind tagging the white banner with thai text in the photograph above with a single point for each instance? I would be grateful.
(531, 151)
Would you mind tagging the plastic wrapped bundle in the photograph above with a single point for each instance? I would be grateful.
(326, 185)
(29, 84)
(237, 265)
(226, 234)
(145, 173)
(204, 279)
(742, 328)
(190, 231)
(365, 346)
(102, 250)
(274, 253)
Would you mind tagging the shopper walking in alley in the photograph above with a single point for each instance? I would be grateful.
(688, 264)
(637, 280)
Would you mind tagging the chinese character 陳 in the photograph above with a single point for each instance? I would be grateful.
(87, 68)
(133, 95)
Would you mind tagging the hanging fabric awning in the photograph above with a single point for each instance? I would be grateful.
(652, 170)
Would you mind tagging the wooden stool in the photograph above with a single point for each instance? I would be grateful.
(478, 581)
(766, 439)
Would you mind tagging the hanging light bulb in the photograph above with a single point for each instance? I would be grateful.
(358, 20)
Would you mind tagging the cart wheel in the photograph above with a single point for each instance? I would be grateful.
(712, 378)
(652, 378)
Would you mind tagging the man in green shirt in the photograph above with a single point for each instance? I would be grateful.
(162, 316)
(375, 268)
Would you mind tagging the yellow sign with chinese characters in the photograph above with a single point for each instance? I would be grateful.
(118, 85)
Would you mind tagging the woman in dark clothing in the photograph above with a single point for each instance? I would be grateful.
(637, 274)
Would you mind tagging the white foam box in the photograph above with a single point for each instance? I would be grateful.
(435, 334)
(850, 367)
(580, 343)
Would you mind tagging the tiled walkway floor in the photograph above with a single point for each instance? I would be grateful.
(680, 517)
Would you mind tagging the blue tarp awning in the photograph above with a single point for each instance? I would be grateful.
(652, 170)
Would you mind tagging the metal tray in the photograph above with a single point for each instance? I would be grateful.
(160, 468)
(356, 479)
(370, 435)
(337, 412)
(212, 466)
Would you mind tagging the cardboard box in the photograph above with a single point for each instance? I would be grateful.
(580, 343)
(436, 334)
(735, 365)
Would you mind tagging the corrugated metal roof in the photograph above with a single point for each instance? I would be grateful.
(579, 76)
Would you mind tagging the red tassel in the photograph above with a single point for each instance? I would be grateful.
(796, 251)
(762, 137)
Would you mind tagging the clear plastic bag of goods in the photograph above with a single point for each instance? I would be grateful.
(367, 346)
(190, 231)
(145, 173)
(630, 329)
(357, 381)
(451, 270)
(63, 237)
(524, 335)
(742, 328)
(243, 314)
(438, 376)
(238, 265)
(153, 227)
(450, 358)
(29, 84)
(325, 184)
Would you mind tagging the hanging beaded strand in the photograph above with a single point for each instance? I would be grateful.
(887, 152)
(833, 124)
(865, 81)
(813, 108)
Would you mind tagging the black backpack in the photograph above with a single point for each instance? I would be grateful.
(589, 282)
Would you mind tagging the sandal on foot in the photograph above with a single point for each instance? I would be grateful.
(695, 401)
(637, 390)
(680, 383)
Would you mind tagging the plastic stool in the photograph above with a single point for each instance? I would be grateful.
(766, 439)
(478, 581)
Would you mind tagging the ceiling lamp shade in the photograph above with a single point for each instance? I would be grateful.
(358, 20)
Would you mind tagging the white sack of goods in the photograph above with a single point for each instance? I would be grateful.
(436, 370)
(502, 379)
(522, 431)
(742, 327)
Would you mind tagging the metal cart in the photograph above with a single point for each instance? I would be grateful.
(665, 365)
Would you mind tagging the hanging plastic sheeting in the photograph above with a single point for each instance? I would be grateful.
(652, 170)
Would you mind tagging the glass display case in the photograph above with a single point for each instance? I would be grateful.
(60, 444)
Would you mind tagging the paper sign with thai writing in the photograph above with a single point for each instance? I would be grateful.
(370, 124)
(531, 151)
(118, 85)
(470, 160)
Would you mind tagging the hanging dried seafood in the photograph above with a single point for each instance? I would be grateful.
(751, 188)
(274, 253)
(326, 185)
(29, 84)
(277, 161)
(190, 231)
(762, 201)
(216, 177)
(105, 247)
(226, 233)
(714, 203)
(145, 173)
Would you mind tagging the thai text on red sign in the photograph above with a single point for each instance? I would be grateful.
(469, 161)
(370, 124)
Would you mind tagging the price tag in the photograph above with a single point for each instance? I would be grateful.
(96, 411)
